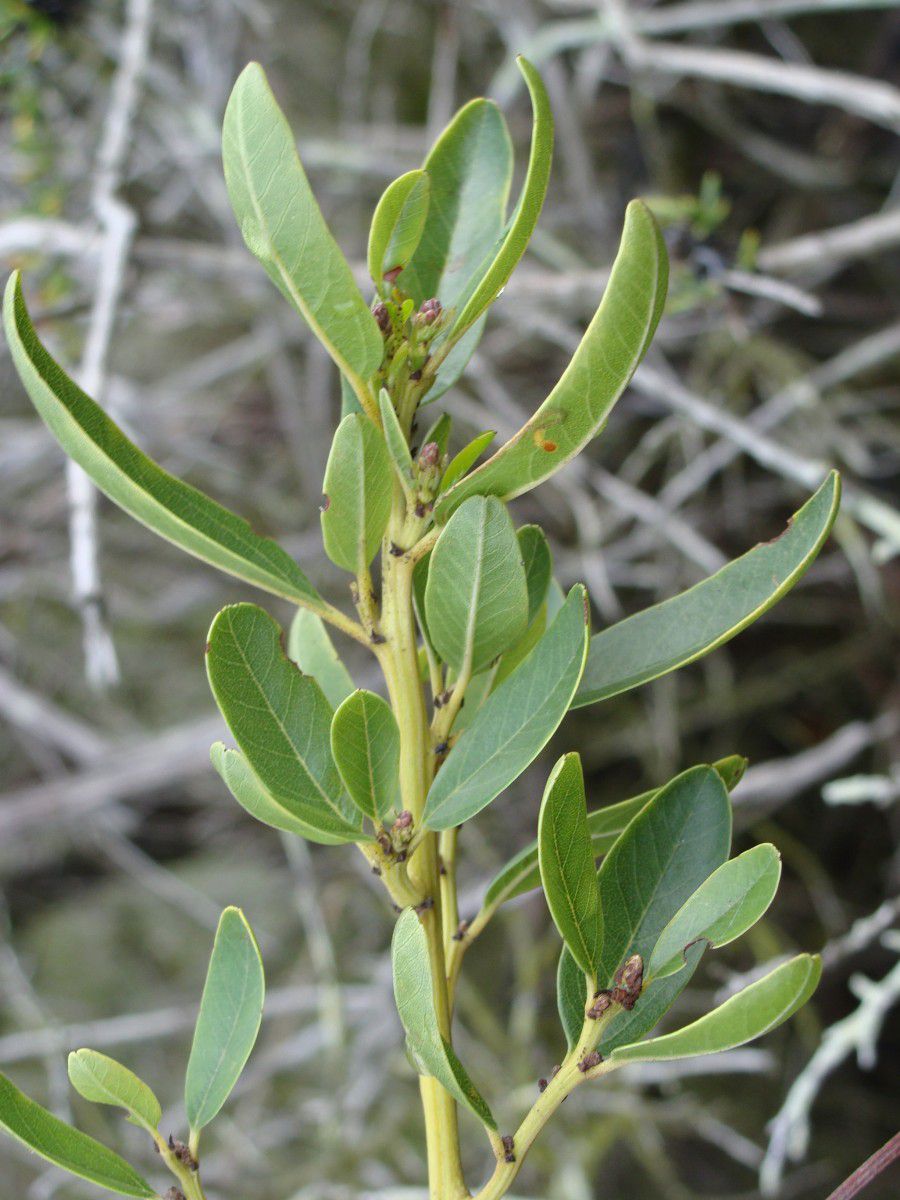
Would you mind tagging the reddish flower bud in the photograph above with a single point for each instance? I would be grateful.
(429, 456)
(382, 317)
(430, 311)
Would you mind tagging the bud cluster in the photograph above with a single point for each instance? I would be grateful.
(407, 333)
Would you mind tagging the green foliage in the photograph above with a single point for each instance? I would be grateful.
(415, 1004)
(229, 1019)
(66, 1147)
(464, 604)
(281, 223)
(357, 487)
(280, 720)
(476, 598)
(365, 742)
(105, 1081)
(514, 723)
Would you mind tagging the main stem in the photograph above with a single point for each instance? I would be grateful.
(400, 662)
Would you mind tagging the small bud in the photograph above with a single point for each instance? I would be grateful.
(382, 317)
(631, 975)
(174, 1194)
(461, 930)
(508, 1143)
(429, 456)
(543, 1084)
(593, 1059)
(429, 312)
(404, 820)
(601, 1003)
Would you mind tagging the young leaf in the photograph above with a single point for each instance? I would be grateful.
(311, 648)
(253, 797)
(229, 1019)
(415, 1004)
(470, 168)
(282, 225)
(397, 224)
(476, 599)
(538, 566)
(66, 1147)
(514, 723)
(169, 507)
(665, 853)
(567, 865)
(460, 463)
(280, 719)
(521, 873)
(397, 445)
(681, 630)
(365, 742)
(756, 1010)
(613, 345)
(724, 906)
(105, 1081)
(522, 224)
(357, 504)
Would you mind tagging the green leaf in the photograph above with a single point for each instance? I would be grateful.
(470, 168)
(311, 648)
(229, 1019)
(397, 224)
(105, 1081)
(253, 797)
(282, 225)
(756, 1010)
(571, 997)
(725, 906)
(397, 445)
(365, 742)
(522, 225)
(280, 719)
(567, 865)
(574, 412)
(66, 1147)
(476, 599)
(357, 505)
(415, 1004)
(460, 463)
(514, 723)
(517, 652)
(666, 852)
(169, 507)
(521, 873)
(681, 630)
(538, 566)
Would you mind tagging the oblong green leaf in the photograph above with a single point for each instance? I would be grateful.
(311, 648)
(357, 504)
(610, 351)
(470, 168)
(365, 742)
(725, 906)
(476, 597)
(681, 630)
(521, 874)
(102, 1080)
(531, 200)
(754, 1011)
(282, 225)
(538, 566)
(461, 462)
(566, 860)
(673, 844)
(397, 224)
(397, 446)
(415, 1004)
(229, 1019)
(280, 719)
(66, 1147)
(237, 775)
(171, 508)
(515, 722)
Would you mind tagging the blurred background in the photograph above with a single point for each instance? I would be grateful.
(765, 134)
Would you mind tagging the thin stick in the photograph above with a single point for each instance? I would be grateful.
(870, 1169)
